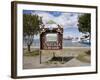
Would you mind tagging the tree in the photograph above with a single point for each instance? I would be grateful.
(84, 23)
(30, 28)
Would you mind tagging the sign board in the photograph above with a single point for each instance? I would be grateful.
(51, 39)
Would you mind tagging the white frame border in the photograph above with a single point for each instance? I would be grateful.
(34, 72)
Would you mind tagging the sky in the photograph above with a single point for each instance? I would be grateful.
(67, 20)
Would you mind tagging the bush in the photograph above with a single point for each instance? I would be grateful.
(88, 52)
(33, 53)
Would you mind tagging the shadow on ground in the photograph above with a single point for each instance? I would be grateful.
(65, 59)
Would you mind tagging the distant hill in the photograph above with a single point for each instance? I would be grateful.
(51, 22)
(69, 38)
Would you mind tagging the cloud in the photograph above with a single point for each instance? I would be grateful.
(68, 21)
(65, 19)
(45, 16)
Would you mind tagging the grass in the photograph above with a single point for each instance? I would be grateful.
(83, 57)
(32, 53)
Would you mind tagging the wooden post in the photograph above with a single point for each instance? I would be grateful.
(40, 56)
(53, 54)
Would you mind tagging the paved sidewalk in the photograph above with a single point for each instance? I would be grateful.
(30, 62)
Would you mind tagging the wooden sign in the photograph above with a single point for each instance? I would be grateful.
(51, 38)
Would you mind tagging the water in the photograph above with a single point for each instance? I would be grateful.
(66, 43)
